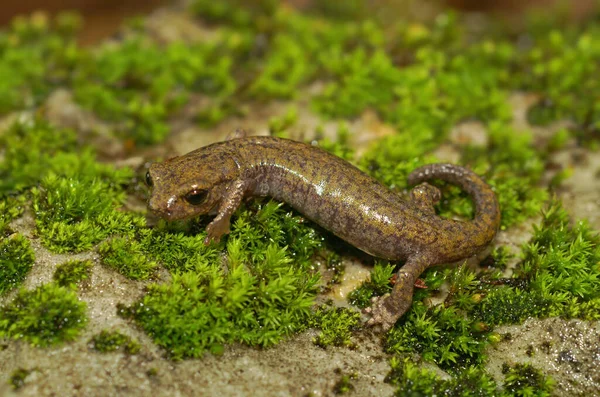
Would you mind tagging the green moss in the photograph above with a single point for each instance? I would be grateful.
(73, 215)
(106, 342)
(361, 80)
(244, 14)
(412, 380)
(512, 305)
(284, 71)
(17, 378)
(36, 55)
(377, 285)
(559, 275)
(262, 293)
(31, 150)
(439, 334)
(344, 385)
(46, 316)
(139, 84)
(561, 67)
(336, 324)
(73, 272)
(524, 380)
(127, 257)
(16, 259)
(176, 250)
(10, 208)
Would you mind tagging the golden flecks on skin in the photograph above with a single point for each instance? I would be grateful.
(336, 195)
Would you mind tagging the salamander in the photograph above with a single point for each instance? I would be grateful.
(337, 196)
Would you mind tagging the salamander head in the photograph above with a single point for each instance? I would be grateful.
(190, 185)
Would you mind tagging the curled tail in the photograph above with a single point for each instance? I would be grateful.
(487, 209)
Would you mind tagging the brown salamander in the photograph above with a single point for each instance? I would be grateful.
(334, 194)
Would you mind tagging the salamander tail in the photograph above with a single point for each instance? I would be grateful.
(487, 209)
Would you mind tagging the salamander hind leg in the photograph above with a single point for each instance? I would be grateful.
(425, 196)
(387, 309)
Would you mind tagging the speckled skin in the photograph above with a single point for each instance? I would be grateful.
(334, 194)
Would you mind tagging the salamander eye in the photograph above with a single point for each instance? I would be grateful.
(196, 197)
(148, 179)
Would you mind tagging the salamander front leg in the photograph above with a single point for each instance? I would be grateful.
(220, 225)
(387, 309)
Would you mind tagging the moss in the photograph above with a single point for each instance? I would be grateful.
(337, 326)
(73, 272)
(46, 316)
(439, 334)
(176, 250)
(412, 380)
(106, 342)
(575, 59)
(244, 14)
(344, 384)
(31, 150)
(10, 208)
(262, 293)
(73, 215)
(18, 376)
(559, 275)
(361, 80)
(139, 84)
(525, 380)
(127, 257)
(16, 259)
(37, 54)
(284, 71)
(377, 285)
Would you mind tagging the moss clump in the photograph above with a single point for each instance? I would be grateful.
(361, 80)
(523, 380)
(411, 380)
(107, 341)
(36, 55)
(16, 259)
(139, 83)
(17, 378)
(344, 385)
(377, 285)
(261, 294)
(73, 215)
(243, 14)
(560, 66)
(441, 335)
(336, 324)
(45, 316)
(10, 208)
(31, 151)
(35, 150)
(559, 275)
(73, 272)
(126, 256)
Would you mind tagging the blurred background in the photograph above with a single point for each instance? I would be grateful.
(103, 17)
